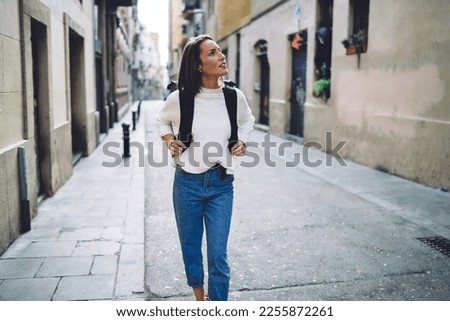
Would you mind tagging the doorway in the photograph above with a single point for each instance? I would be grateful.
(99, 90)
(264, 82)
(77, 95)
(298, 82)
(40, 99)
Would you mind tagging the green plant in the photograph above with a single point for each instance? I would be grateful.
(320, 85)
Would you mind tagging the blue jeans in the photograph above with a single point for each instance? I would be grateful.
(204, 200)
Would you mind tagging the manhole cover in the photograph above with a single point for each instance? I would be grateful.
(438, 243)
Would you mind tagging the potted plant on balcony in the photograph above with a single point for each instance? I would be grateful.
(355, 43)
(322, 88)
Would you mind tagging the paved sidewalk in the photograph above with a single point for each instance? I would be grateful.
(87, 242)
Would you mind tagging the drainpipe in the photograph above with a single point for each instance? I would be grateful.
(25, 222)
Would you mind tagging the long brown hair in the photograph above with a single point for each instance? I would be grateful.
(189, 77)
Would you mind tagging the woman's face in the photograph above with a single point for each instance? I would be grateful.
(213, 63)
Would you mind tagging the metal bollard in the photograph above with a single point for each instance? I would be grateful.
(112, 114)
(134, 116)
(126, 140)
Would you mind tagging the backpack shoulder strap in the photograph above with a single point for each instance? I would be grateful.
(231, 102)
(186, 118)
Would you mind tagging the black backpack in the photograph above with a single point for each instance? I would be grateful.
(187, 114)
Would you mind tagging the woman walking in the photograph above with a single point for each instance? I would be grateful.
(205, 141)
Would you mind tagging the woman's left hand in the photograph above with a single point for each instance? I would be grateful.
(238, 149)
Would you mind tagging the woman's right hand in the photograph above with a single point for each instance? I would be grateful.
(175, 147)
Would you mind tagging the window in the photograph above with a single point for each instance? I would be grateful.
(261, 48)
(323, 42)
(191, 5)
(96, 32)
(359, 25)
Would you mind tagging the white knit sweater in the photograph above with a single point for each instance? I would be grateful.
(211, 129)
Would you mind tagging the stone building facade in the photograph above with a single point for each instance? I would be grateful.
(149, 77)
(177, 36)
(57, 95)
(373, 73)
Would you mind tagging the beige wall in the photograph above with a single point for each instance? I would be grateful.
(274, 27)
(17, 118)
(231, 15)
(13, 129)
(176, 20)
(81, 14)
(394, 109)
(258, 6)
(176, 38)
(11, 120)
